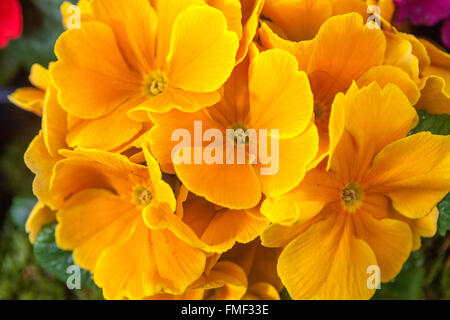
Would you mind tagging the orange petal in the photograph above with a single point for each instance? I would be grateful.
(105, 82)
(288, 168)
(374, 117)
(91, 221)
(280, 95)
(54, 123)
(40, 216)
(134, 26)
(390, 240)
(389, 74)
(417, 187)
(300, 19)
(327, 262)
(147, 263)
(39, 161)
(97, 133)
(199, 61)
(317, 189)
(29, 99)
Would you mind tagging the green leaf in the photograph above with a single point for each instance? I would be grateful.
(20, 210)
(284, 295)
(436, 123)
(444, 216)
(54, 260)
(409, 284)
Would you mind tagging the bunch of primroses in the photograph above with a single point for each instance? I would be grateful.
(353, 189)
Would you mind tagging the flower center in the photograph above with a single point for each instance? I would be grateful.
(142, 197)
(240, 136)
(156, 83)
(352, 196)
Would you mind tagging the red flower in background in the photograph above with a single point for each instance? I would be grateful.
(10, 21)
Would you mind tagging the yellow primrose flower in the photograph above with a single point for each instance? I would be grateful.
(268, 93)
(367, 207)
(103, 200)
(129, 55)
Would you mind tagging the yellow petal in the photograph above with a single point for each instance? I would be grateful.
(168, 11)
(389, 74)
(399, 53)
(222, 229)
(39, 161)
(433, 98)
(359, 49)
(97, 133)
(374, 117)
(39, 77)
(162, 192)
(327, 262)
(29, 99)
(292, 161)
(54, 123)
(262, 291)
(390, 240)
(199, 61)
(40, 216)
(91, 221)
(149, 262)
(317, 189)
(100, 78)
(414, 172)
(270, 40)
(347, 6)
(219, 183)
(100, 170)
(424, 227)
(280, 96)
(251, 10)
(436, 82)
(231, 9)
(258, 262)
(300, 19)
(134, 26)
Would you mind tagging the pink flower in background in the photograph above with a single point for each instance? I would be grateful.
(426, 12)
(10, 21)
(446, 33)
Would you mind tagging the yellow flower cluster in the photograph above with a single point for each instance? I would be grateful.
(340, 189)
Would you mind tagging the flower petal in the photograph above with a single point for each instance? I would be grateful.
(91, 221)
(147, 263)
(280, 95)
(100, 79)
(391, 241)
(327, 262)
(199, 61)
(414, 172)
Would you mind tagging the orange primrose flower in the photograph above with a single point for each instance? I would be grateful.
(367, 207)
